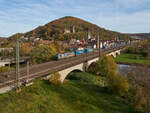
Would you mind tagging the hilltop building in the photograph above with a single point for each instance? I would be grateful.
(66, 31)
(73, 29)
(70, 30)
(89, 35)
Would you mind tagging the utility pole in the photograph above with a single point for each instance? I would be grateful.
(98, 45)
(27, 80)
(85, 62)
(17, 67)
(8, 69)
(86, 47)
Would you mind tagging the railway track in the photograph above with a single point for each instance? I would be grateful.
(44, 69)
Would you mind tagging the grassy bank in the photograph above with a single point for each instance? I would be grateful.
(132, 59)
(83, 93)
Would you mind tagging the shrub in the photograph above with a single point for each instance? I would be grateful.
(55, 79)
(117, 84)
(3, 69)
(139, 94)
(139, 99)
(107, 65)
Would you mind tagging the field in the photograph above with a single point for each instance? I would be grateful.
(82, 93)
(132, 59)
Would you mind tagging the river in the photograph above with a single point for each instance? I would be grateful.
(125, 69)
(140, 73)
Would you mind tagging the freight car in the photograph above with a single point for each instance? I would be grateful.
(60, 56)
(64, 55)
(79, 52)
(89, 50)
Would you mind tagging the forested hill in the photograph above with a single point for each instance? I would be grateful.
(141, 35)
(2, 38)
(71, 27)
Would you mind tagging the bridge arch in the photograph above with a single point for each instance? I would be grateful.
(65, 72)
(117, 53)
(92, 67)
(76, 70)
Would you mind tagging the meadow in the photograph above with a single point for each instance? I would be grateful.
(81, 93)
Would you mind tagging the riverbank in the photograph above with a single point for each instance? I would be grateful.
(132, 59)
(82, 93)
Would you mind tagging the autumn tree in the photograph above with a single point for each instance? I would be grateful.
(107, 65)
(44, 53)
(116, 83)
(26, 49)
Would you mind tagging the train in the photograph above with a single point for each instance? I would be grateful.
(81, 51)
(78, 52)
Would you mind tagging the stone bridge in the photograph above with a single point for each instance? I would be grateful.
(83, 66)
(63, 67)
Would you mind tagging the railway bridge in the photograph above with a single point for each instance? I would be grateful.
(83, 66)
(63, 67)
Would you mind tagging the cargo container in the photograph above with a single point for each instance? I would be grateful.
(71, 54)
(89, 50)
(79, 52)
(65, 55)
(60, 56)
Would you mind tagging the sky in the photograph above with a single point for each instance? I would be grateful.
(126, 16)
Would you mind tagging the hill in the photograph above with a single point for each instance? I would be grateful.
(71, 27)
(141, 35)
(2, 39)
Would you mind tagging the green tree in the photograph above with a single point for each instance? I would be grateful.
(3, 69)
(116, 84)
(43, 53)
(107, 65)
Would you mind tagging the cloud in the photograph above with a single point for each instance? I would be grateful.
(121, 15)
(127, 23)
(129, 3)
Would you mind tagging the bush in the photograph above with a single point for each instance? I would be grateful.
(55, 79)
(117, 84)
(3, 69)
(107, 65)
(44, 53)
(139, 99)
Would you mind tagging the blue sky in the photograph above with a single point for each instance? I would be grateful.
(127, 16)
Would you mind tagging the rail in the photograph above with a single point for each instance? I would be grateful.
(44, 69)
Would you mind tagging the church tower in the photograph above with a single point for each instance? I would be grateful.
(89, 35)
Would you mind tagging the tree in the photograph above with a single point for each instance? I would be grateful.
(107, 65)
(25, 49)
(55, 78)
(116, 84)
(44, 53)
(3, 69)
(41, 54)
